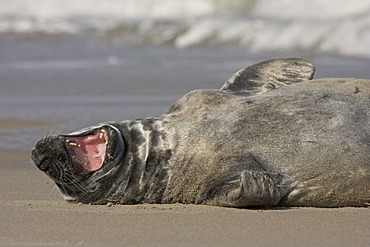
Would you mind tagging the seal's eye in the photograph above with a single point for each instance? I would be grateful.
(88, 152)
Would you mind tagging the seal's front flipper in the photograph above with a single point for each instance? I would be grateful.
(268, 75)
(255, 189)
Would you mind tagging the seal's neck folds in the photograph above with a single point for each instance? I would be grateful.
(146, 163)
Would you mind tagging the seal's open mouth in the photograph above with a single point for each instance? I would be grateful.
(88, 152)
(81, 153)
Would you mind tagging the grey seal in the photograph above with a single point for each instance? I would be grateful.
(271, 136)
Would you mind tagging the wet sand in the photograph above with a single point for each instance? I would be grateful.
(17, 123)
(40, 86)
(79, 82)
(32, 213)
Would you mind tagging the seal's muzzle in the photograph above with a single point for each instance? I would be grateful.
(78, 153)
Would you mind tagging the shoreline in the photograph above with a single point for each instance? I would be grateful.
(9, 124)
(78, 83)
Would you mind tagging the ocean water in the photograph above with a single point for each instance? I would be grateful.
(75, 63)
(330, 26)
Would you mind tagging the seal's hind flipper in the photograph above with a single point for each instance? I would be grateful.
(268, 75)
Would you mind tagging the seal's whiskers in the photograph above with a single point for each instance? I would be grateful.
(75, 183)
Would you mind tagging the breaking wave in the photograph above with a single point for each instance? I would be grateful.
(333, 26)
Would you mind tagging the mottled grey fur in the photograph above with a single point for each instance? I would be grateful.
(249, 144)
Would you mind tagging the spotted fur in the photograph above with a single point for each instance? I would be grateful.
(304, 144)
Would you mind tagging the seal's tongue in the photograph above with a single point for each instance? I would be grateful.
(88, 152)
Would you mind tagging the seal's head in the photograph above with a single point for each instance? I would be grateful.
(79, 161)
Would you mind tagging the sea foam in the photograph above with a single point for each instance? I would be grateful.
(333, 26)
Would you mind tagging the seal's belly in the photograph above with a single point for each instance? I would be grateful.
(308, 147)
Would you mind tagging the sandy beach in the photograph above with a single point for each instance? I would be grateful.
(32, 213)
(64, 85)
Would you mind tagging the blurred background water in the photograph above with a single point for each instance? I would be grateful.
(80, 62)
(337, 26)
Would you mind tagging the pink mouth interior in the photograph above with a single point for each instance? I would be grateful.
(88, 152)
